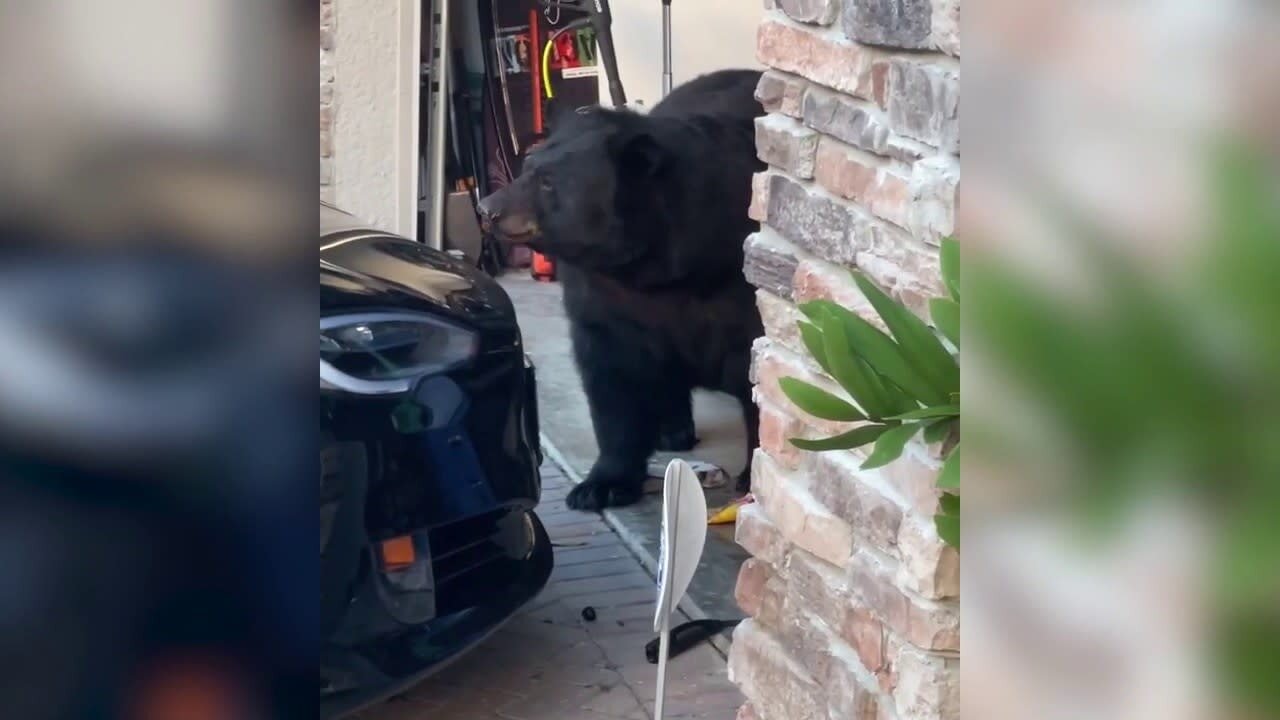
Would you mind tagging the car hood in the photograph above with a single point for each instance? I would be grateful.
(360, 269)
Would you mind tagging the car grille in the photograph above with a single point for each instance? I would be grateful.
(464, 555)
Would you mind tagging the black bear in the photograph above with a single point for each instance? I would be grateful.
(646, 216)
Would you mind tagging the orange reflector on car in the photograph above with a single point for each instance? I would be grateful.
(397, 553)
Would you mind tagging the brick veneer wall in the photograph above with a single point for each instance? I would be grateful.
(853, 599)
(326, 99)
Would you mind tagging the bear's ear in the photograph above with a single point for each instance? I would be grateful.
(639, 155)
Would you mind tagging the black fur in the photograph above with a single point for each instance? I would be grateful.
(646, 216)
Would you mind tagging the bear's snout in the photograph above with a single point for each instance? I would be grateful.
(505, 217)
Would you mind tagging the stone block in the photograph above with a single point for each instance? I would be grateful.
(852, 121)
(875, 519)
(893, 23)
(752, 577)
(865, 179)
(777, 686)
(781, 92)
(786, 144)
(815, 222)
(847, 695)
(924, 102)
(801, 519)
(818, 56)
(818, 12)
(928, 567)
(928, 625)
(759, 536)
(777, 428)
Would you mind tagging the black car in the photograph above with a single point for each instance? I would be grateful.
(429, 462)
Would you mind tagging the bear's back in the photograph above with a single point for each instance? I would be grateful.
(724, 92)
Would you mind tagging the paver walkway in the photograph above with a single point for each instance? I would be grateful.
(548, 663)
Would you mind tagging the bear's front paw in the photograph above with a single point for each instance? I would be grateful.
(596, 494)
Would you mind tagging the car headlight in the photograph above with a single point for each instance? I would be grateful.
(386, 352)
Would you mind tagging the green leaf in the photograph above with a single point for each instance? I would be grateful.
(948, 529)
(920, 346)
(853, 376)
(946, 315)
(812, 338)
(889, 445)
(897, 400)
(949, 478)
(950, 257)
(816, 310)
(884, 356)
(949, 503)
(818, 402)
(935, 411)
(937, 430)
(856, 437)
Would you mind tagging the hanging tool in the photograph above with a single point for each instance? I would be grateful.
(586, 39)
(562, 42)
(601, 20)
(566, 50)
(508, 58)
(523, 52)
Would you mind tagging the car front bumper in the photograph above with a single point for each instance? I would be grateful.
(454, 466)
(394, 664)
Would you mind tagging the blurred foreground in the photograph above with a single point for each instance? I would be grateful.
(157, 377)
(1121, 223)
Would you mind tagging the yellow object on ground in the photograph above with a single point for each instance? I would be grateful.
(729, 513)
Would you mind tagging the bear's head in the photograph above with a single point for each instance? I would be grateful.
(588, 195)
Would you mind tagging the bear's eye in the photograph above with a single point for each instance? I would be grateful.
(545, 184)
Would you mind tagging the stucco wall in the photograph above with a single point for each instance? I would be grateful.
(706, 35)
(364, 59)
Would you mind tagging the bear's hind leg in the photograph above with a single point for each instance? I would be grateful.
(676, 432)
(751, 416)
(736, 381)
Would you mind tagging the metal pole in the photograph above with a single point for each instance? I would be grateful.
(666, 47)
(664, 653)
(437, 139)
(664, 642)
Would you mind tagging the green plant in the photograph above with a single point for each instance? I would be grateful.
(899, 383)
(1156, 385)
